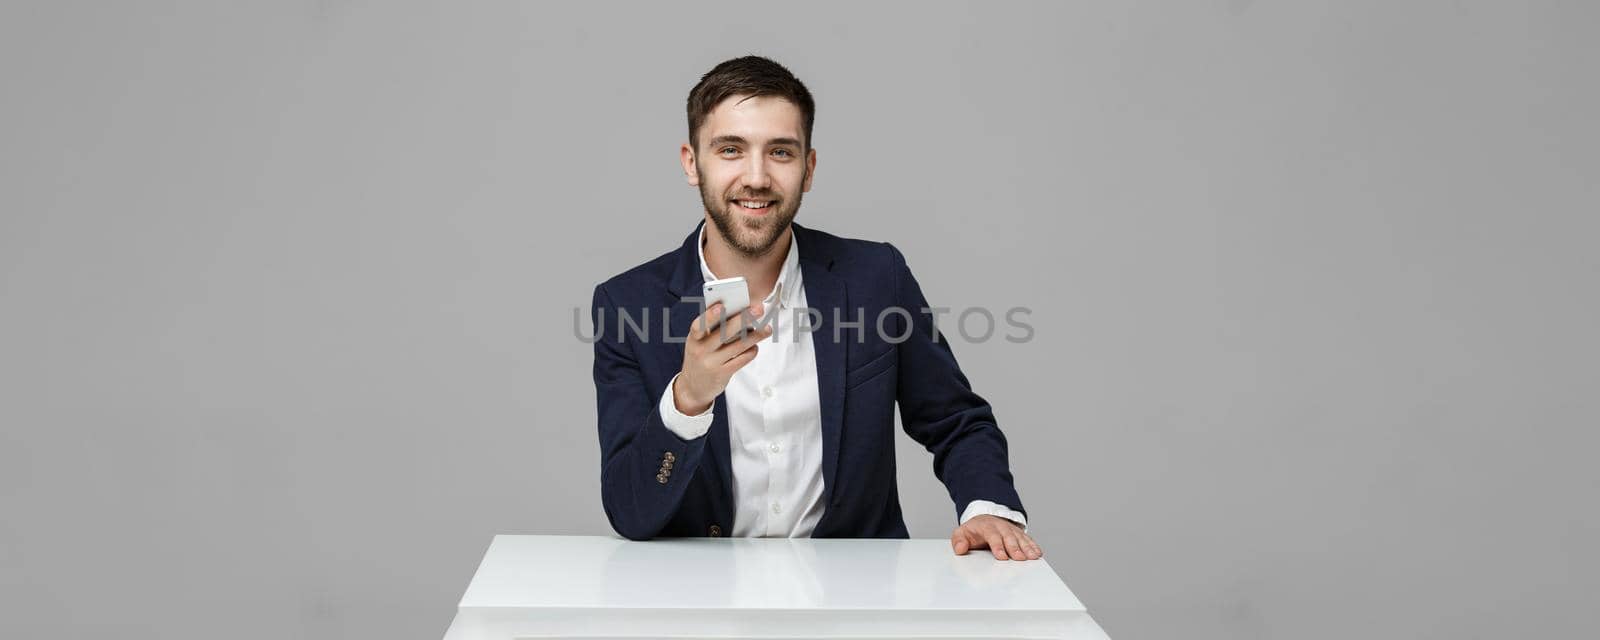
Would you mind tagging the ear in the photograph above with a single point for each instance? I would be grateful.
(811, 170)
(686, 155)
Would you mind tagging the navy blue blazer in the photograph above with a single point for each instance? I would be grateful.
(860, 377)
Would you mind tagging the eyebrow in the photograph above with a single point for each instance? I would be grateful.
(722, 140)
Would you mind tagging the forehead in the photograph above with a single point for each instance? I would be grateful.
(754, 118)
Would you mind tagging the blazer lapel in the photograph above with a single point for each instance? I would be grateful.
(826, 293)
(686, 281)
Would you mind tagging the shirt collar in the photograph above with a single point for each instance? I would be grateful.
(788, 287)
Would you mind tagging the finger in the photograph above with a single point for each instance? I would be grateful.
(959, 543)
(1031, 547)
(701, 326)
(997, 546)
(725, 354)
(738, 361)
(741, 323)
(1014, 548)
(727, 324)
(739, 334)
(735, 347)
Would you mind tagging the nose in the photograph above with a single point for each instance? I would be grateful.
(756, 178)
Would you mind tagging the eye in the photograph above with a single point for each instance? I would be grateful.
(727, 150)
(785, 152)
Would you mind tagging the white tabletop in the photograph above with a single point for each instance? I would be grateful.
(603, 587)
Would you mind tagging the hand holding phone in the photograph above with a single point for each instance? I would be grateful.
(720, 342)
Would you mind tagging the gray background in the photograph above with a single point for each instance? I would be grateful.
(288, 291)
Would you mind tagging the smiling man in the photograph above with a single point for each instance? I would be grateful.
(787, 431)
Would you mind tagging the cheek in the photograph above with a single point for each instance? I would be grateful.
(720, 181)
(793, 178)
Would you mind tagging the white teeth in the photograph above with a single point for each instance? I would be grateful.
(752, 204)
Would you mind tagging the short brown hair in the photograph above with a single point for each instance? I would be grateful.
(749, 75)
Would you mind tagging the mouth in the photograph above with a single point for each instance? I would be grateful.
(754, 207)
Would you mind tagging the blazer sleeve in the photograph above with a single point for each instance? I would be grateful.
(634, 443)
(939, 410)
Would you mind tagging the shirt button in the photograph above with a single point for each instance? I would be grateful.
(774, 447)
(776, 508)
(766, 391)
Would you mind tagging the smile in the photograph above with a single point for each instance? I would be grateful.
(754, 205)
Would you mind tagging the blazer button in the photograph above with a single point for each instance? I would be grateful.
(661, 478)
(669, 456)
(666, 473)
(715, 531)
(666, 465)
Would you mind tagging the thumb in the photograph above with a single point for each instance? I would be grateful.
(958, 542)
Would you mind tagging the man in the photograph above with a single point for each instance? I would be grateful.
(788, 430)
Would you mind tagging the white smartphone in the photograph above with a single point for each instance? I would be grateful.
(733, 293)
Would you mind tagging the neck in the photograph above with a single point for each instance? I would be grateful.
(760, 273)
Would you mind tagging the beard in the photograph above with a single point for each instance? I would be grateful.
(751, 236)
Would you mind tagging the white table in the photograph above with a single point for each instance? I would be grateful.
(602, 587)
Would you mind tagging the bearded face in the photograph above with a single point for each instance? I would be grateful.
(751, 221)
(751, 168)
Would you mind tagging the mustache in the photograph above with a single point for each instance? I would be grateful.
(757, 196)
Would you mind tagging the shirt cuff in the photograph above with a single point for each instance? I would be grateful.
(984, 507)
(687, 427)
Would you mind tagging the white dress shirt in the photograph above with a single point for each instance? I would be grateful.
(775, 422)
